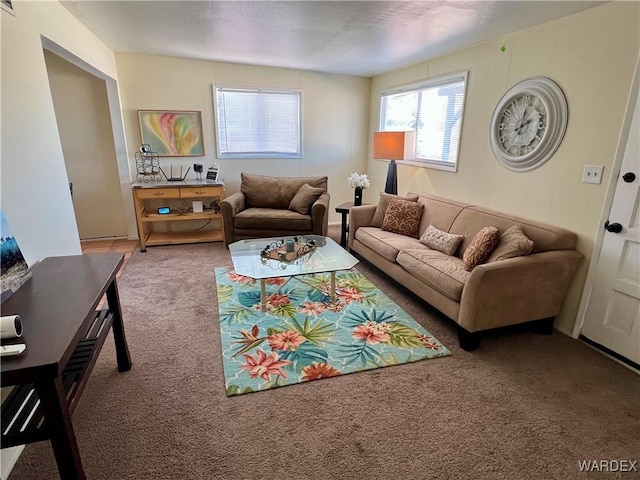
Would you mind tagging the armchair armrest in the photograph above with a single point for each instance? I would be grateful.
(320, 214)
(359, 217)
(230, 207)
(517, 290)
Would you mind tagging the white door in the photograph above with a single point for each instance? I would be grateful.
(612, 316)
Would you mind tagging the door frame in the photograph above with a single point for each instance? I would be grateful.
(608, 202)
(117, 127)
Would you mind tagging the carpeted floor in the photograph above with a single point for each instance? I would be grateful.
(523, 406)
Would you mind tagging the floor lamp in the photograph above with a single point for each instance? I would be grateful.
(393, 146)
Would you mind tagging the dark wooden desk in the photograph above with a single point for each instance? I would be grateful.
(64, 334)
(343, 209)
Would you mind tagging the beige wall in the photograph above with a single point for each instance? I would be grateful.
(335, 115)
(35, 191)
(592, 56)
(82, 114)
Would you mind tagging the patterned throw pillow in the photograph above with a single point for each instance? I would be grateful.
(512, 243)
(403, 217)
(441, 241)
(480, 247)
(383, 203)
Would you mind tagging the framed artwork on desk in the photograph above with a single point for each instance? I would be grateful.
(172, 133)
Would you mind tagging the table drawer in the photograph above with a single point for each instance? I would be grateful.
(158, 192)
(200, 192)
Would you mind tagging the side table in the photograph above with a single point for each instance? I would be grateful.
(343, 209)
(64, 334)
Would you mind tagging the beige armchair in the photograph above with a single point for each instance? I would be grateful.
(276, 206)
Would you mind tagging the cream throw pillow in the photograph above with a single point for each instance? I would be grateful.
(442, 241)
(383, 203)
(481, 246)
(512, 243)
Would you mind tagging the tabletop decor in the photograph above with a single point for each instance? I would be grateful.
(302, 336)
(358, 182)
(288, 250)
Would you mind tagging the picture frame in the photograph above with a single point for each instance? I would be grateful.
(172, 133)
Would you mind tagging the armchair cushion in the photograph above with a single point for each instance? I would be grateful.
(275, 192)
(306, 196)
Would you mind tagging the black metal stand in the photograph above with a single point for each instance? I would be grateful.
(392, 178)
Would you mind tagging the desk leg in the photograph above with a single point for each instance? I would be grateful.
(343, 230)
(122, 349)
(53, 402)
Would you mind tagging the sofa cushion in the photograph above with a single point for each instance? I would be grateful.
(480, 247)
(275, 192)
(512, 243)
(383, 203)
(305, 197)
(386, 244)
(272, 219)
(403, 217)
(442, 241)
(442, 272)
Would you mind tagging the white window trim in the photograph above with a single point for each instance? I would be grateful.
(429, 83)
(256, 155)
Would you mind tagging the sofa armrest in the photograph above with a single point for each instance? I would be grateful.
(517, 290)
(230, 207)
(320, 214)
(359, 217)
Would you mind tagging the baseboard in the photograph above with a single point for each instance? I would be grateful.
(8, 458)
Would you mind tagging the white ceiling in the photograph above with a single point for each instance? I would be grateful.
(349, 37)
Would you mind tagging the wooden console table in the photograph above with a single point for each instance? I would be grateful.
(177, 197)
(64, 334)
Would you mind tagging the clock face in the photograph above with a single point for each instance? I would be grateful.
(523, 123)
(528, 124)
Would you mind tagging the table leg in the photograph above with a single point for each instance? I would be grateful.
(53, 401)
(122, 349)
(343, 230)
(333, 287)
(263, 295)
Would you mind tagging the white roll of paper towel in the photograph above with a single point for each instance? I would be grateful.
(10, 327)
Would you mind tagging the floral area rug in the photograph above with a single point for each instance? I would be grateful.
(302, 336)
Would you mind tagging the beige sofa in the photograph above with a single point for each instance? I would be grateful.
(276, 206)
(495, 294)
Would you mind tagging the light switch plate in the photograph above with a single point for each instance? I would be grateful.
(592, 174)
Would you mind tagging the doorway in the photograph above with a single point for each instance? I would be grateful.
(611, 320)
(84, 123)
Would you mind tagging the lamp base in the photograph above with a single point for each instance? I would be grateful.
(392, 179)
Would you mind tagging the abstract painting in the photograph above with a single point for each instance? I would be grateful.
(172, 133)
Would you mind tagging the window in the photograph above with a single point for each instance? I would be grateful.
(258, 123)
(433, 109)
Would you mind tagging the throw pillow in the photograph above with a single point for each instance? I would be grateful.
(441, 241)
(306, 196)
(403, 217)
(512, 243)
(481, 246)
(383, 203)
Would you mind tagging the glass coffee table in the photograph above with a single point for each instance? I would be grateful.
(326, 257)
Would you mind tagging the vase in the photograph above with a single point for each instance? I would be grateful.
(357, 199)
